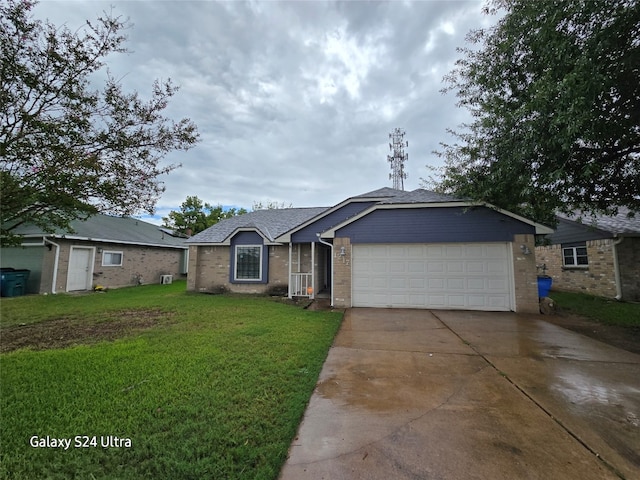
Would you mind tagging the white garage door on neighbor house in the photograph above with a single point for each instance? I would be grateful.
(467, 276)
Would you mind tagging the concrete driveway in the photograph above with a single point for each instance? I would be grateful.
(414, 394)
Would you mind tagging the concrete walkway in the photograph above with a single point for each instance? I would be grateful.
(411, 394)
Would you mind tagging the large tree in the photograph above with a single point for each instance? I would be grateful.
(554, 93)
(195, 216)
(68, 150)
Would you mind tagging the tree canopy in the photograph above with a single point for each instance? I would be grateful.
(195, 216)
(67, 150)
(554, 93)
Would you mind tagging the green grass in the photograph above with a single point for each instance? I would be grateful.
(610, 312)
(214, 390)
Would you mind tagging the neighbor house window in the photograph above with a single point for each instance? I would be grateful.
(248, 262)
(575, 256)
(111, 259)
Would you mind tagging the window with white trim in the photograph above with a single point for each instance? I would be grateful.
(111, 259)
(248, 262)
(575, 256)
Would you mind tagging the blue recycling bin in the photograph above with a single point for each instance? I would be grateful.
(13, 283)
(544, 286)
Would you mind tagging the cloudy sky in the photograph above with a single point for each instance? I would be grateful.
(294, 101)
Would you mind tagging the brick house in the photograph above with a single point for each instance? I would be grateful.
(599, 255)
(102, 250)
(386, 248)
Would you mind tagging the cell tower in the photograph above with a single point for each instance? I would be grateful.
(398, 158)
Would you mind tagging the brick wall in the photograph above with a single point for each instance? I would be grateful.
(209, 268)
(598, 278)
(342, 273)
(524, 274)
(149, 263)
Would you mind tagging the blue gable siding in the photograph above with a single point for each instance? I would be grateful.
(434, 225)
(248, 238)
(308, 233)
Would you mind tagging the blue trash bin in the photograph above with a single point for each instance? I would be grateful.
(544, 286)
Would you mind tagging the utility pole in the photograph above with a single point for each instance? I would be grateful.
(398, 158)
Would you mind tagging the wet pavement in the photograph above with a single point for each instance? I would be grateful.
(415, 394)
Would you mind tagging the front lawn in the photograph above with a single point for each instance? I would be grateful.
(173, 384)
(609, 312)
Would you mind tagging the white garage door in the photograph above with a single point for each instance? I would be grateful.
(473, 276)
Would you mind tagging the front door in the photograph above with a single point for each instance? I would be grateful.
(80, 269)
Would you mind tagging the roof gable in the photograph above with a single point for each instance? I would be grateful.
(270, 224)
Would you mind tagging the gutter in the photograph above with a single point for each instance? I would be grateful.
(616, 268)
(55, 264)
(332, 266)
(123, 242)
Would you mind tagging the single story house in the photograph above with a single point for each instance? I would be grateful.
(385, 248)
(102, 250)
(597, 254)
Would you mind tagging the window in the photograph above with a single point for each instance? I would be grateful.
(111, 259)
(248, 263)
(575, 257)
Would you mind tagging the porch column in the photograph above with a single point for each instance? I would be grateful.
(313, 270)
(289, 278)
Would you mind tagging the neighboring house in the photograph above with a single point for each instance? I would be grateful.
(102, 250)
(386, 248)
(598, 254)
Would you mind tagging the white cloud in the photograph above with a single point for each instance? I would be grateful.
(293, 100)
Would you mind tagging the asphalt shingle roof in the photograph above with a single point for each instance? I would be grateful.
(111, 229)
(617, 224)
(270, 223)
(420, 196)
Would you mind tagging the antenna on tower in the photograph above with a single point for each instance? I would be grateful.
(398, 158)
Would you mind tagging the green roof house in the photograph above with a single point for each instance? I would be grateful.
(100, 251)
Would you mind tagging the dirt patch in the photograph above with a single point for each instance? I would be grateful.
(66, 331)
(626, 338)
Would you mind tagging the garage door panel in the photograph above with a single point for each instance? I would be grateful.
(475, 267)
(476, 284)
(498, 284)
(477, 301)
(495, 266)
(416, 266)
(460, 276)
(455, 266)
(435, 267)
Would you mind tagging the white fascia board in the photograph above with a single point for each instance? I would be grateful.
(540, 229)
(286, 237)
(123, 242)
(227, 241)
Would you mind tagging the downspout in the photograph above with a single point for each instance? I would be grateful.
(290, 258)
(55, 264)
(332, 266)
(616, 268)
